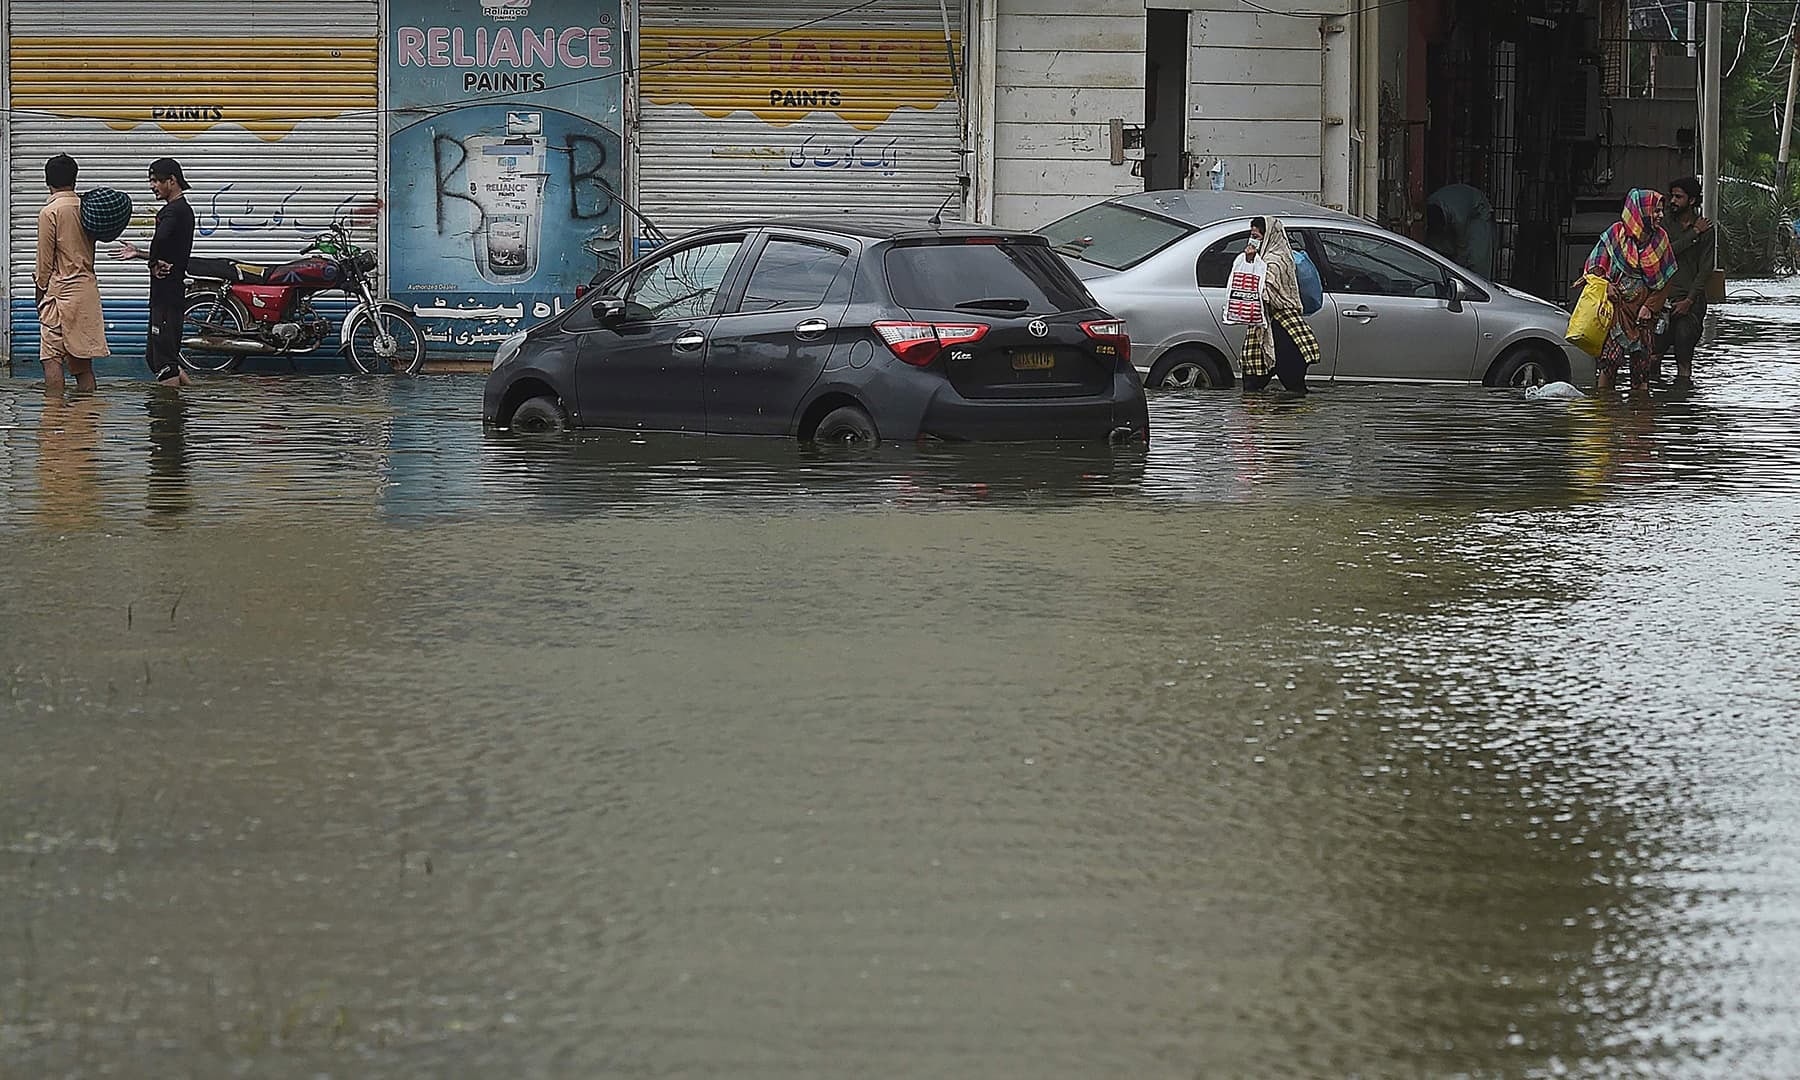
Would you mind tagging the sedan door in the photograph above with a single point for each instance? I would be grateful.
(1213, 273)
(645, 369)
(1396, 311)
(767, 352)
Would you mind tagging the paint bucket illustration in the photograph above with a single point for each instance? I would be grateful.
(506, 180)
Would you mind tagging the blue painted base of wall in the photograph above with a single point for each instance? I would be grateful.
(128, 327)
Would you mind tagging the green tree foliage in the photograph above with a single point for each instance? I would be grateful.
(1755, 87)
(1753, 214)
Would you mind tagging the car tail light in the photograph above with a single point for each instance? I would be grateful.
(1110, 332)
(580, 291)
(919, 343)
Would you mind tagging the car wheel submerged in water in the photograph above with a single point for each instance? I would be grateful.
(1527, 367)
(846, 426)
(539, 416)
(1189, 369)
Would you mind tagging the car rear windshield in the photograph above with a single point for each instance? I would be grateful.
(1116, 237)
(1002, 277)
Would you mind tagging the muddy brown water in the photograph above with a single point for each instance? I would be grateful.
(1401, 732)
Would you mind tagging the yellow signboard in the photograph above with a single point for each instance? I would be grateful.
(187, 85)
(864, 76)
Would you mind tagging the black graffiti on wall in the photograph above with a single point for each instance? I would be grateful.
(591, 194)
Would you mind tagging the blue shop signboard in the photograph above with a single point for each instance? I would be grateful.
(504, 161)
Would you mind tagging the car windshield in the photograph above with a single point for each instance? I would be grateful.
(1116, 237)
(1009, 278)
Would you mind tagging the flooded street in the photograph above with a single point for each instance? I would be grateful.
(1398, 732)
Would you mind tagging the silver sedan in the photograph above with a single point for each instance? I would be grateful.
(1395, 311)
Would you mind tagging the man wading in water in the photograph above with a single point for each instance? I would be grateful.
(168, 255)
(72, 328)
(1692, 239)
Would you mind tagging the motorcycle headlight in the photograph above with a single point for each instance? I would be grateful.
(508, 349)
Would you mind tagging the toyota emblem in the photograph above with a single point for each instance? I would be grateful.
(1038, 328)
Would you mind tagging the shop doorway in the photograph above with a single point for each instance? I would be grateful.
(1165, 99)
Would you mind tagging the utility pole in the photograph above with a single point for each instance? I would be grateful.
(1787, 114)
(1714, 59)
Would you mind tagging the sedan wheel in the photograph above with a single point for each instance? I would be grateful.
(1186, 377)
(1188, 370)
(1527, 370)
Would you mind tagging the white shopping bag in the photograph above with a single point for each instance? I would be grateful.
(1243, 301)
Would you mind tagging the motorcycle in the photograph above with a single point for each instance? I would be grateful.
(236, 309)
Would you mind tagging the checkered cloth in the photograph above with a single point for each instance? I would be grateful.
(104, 213)
(1259, 357)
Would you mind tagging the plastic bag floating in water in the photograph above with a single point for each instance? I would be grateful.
(1556, 391)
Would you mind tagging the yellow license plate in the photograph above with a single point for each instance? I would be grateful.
(1033, 361)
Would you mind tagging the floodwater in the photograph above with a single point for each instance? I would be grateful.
(1401, 732)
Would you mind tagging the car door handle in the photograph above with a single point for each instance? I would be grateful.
(812, 328)
(690, 341)
(1362, 313)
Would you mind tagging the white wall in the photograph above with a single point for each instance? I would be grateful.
(1061, 69)
(1257, 96)
(1270, 92)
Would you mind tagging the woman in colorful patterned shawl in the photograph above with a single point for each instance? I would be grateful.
(1637, 261)
(1284, 346)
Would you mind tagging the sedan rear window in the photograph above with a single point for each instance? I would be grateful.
(1113, 236)
(984, 276)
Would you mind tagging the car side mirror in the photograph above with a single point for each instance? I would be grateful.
(604, 311)
(1456, 293)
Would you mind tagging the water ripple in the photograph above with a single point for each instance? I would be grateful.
(1400, 731)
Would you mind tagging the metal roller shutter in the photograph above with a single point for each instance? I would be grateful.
(765, 108)
(272, 107)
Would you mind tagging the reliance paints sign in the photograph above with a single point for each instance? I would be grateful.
(506, 160)
(499, 59)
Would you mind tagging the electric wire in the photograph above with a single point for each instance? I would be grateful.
(1743, 37)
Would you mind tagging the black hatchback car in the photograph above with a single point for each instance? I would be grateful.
(831, 332)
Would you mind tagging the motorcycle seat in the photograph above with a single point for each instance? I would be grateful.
(229, 271)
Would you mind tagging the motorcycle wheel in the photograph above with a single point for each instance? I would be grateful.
(212, 313)
(387, 341)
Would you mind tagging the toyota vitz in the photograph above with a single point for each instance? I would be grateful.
(833, 331)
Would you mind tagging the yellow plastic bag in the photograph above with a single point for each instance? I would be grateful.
(1593, 317)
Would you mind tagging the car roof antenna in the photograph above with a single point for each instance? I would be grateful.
(937, 219)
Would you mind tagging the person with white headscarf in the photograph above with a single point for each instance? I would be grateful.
(1283, 346)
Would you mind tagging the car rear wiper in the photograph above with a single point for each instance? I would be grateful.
(996, 303)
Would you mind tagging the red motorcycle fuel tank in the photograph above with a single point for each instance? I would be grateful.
(270, 302)
(265, 303)
(314, 272)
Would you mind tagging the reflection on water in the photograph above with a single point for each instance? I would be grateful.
(238, 450)
(68, 455)
(1393, 732)
(167, 484)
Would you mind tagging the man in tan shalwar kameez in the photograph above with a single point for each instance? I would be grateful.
(68, 294)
